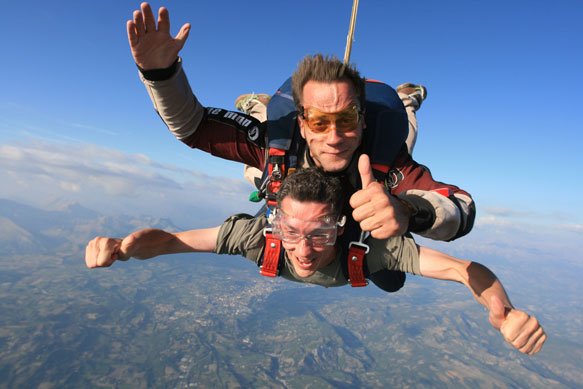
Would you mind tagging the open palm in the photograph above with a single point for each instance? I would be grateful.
(154, 48)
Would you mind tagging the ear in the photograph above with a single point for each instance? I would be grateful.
(341, 224)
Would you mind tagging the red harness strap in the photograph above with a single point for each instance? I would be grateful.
(275, 170)
(270, 264)
(356, 253)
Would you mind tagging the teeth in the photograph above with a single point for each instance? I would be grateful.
(304, 260)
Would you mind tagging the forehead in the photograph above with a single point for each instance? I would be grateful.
(304, 210)
(328, 96)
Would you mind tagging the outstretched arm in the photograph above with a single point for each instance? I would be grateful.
(519, 328)
(144, 244)
(154, 48)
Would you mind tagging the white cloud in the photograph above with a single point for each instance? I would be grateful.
(570, 227)
(88, 127)
(505, 212)
(492, 221)
(520, 242)
(110, 181)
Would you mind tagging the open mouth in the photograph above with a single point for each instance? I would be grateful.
(305, 262)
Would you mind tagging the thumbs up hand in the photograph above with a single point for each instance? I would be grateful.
(376, 210)
(518, 328)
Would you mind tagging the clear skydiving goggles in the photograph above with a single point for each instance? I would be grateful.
(320, 122)
(324, 230)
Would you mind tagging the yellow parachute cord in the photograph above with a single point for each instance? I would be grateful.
(350, 36)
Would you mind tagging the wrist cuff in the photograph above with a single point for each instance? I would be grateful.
(422, 213)
(160, 74)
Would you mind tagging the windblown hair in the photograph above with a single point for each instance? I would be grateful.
(311, 184)
(325, 69)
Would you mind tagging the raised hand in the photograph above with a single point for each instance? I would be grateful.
(154, 48)
(375, 209)
(518, 328)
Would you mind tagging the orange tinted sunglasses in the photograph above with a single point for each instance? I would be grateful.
(321, 122)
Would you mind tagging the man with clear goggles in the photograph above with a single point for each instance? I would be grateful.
(323, 230)
(308, 223)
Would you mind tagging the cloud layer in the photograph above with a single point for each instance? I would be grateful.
(45, 174)
(48, 175)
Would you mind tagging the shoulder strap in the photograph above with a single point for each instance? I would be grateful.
(273, 256)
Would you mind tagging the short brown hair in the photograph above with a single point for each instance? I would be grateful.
(325, 69)
(311, 184)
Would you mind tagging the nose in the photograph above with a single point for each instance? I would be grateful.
(334, 136)
(304, 249)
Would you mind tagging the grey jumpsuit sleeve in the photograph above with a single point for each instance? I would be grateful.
(242, 234)
(395, 253)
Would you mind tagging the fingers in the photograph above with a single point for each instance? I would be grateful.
(139, 23)
(368, 202)
(149, 20)
(101, 252)
(132, 33)
(535, 342)
(365, 171)
(163, 20)
(538, 344)
(523, 332)
(144, 21)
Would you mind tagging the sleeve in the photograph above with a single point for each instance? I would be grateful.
(395, 253)
(242, 234)
(225, 134)
(440, 211)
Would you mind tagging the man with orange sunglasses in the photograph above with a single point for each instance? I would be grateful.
(330, 99)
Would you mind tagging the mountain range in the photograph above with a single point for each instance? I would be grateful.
(202, 320)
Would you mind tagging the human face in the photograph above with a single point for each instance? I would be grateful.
(331, 151)
(304, 218)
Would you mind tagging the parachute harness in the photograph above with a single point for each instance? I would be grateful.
(273, 257)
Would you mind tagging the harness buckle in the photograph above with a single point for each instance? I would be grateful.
(360, 243)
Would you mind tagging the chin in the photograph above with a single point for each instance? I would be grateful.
(334, 167)
(304, 273)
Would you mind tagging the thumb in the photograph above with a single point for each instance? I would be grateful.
(126, 247)
(497, 312)
(183, 35)
(365, 171)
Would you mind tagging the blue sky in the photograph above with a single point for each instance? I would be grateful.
(502, 118)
